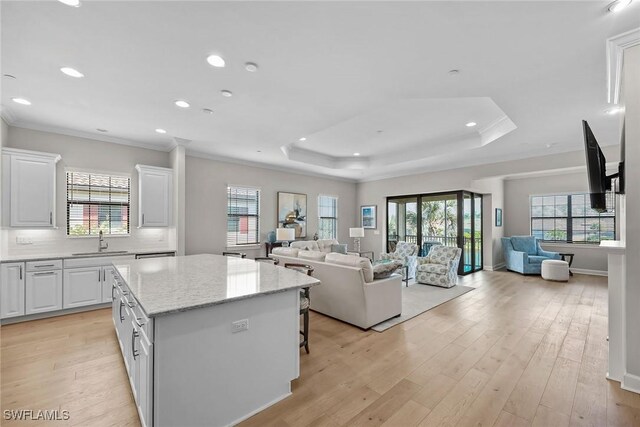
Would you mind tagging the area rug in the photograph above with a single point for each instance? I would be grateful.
(417, 298)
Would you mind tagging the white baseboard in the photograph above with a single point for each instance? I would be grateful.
(494, 267)
(262, 408)
(630, 382)
(589, 272)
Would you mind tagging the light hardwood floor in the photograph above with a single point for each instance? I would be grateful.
(517, 351)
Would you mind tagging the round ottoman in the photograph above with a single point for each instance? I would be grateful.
(556, 270)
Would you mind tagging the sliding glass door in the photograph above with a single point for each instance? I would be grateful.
(439, 221)
(450, 219)
(402, 221)
(472, 241)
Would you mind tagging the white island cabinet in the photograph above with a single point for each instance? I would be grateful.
(206, 339)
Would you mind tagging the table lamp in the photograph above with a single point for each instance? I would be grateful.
(284, 235)
(356, 233)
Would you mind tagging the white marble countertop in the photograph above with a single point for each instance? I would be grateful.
(169, 285)
(66, 255)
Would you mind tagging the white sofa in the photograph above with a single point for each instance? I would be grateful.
(348, 291)
(322, 245)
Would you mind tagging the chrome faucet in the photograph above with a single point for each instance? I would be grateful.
(102, 245)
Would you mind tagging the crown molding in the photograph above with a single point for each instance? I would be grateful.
(616, 46)
(206, 156)
(88, 135)
(180, 142)
(7, 115)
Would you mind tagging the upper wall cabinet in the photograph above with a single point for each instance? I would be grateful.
(29, 187)
(155, 196)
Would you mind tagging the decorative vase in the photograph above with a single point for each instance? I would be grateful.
(271, 237)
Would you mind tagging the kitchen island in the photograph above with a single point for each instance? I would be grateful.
(206, 339)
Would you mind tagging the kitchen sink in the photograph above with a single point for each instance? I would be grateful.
(100, 253)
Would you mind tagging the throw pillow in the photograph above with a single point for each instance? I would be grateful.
(384, 270)
(340, 249)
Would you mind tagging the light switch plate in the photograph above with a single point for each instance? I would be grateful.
(240, 325)
(23, 240)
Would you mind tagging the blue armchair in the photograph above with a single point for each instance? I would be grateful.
(524, 255)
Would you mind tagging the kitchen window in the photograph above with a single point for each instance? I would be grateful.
(568, 218)
(97, 202)
(327, 217)
(243, 216)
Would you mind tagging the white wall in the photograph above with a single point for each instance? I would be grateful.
(470, 178)
(4, 133)
(92, 155)
(632, 165)
(177, 233)
(206, 201)
(493, 190)
(517, 193)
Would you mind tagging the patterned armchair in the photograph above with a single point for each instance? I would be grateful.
(440, 267)
(407, 254)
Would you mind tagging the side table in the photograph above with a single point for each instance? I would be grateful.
(269, 246)
(564, 257)
(364, 254)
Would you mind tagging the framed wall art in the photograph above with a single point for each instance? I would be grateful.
(292, 212)
(368, 216)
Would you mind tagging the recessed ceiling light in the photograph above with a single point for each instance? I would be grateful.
(207, 110)
(614, 110)
(72, 72)
(356, 154)
(454, 72)
(618, 5)
(215, 61)
(550, 145)
(73, 3)
(302, 139)
(226, 93)
(251, 67)
(161, 130)
(471, 124)
(182, 104)
(102, 130)
(21, 101)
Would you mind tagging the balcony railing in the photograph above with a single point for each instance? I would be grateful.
(469, 263)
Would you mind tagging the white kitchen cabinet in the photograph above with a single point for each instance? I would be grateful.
(107, 283)
(12, 289)
(82, 286)
(30, 185)
(154, 196)
(43, 291)
(87, 286)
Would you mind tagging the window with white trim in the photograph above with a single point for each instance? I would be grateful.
(568, 218)
(97, 202)
(327, 217)
(243, 216)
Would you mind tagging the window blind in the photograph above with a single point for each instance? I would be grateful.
(327, 217)
(243, 216)
(569, 218)
(97, 202)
